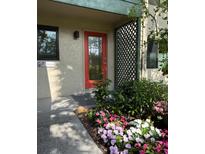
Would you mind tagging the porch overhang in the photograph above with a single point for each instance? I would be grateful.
(121, 7)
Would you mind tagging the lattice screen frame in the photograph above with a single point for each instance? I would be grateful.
(127, 52)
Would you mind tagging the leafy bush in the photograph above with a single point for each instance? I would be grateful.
(142, 94)
(133, 98)
(102, 94)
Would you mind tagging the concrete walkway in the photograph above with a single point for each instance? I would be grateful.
(59, 129)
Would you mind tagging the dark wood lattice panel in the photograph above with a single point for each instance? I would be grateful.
(126, 53)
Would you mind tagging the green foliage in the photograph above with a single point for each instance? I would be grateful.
(91, 114)
(102, 93)
(133, 98)
(138, 96)
(164, 66)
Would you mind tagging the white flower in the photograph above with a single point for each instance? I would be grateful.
(125, 138)
(142, 140)
(148, 120)
(116, 132)
(139, 131)
(152, 139)
(110, 125)
(158, 131)
(130, 138)
(145, 125)
(129, 132)
(150, 132)
(133, 129)
(137, 139)
(152, 128)
(139, 121)
(146, 136)
(100, 130)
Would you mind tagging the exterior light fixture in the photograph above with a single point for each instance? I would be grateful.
(76, 35)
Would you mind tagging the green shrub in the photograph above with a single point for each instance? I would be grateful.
(102, 93)
(139, 96)
(133, 98)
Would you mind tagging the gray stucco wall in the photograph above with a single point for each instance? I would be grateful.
(66, 76)
(148, 73)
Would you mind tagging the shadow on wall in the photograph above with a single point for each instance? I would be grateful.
(63, 79)
(43, 90)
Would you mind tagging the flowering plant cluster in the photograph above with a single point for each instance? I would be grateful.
(148, 138)
(138, 136)
(160, 107)
(104, 117)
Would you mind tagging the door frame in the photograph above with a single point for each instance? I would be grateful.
(90, 83)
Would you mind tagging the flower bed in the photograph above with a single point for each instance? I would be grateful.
(121, 136)
(130, 120)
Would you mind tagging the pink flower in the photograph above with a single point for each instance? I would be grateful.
(123, 119)
(105, 125)
(163, 134)
(166, 151)
(105, 119)
(166, 143)
(115, 115)
(142, 152)
(102, 113)
(145, 146)
(112, 118)
(137, 145)
(97, 114)
(98, 121)
(160, 142)
(158, 148)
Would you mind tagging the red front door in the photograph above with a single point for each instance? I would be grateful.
(95, 58)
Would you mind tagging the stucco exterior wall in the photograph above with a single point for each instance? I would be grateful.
(150, 73)
(67, 76)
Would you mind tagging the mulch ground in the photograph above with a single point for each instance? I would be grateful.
(92, 130)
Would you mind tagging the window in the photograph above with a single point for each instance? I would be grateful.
(47, 41)
(154, 2)
(152, 54)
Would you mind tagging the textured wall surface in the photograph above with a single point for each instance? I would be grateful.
(66, 76)
(154, 73)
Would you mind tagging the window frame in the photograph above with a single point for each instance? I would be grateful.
(49, 28)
